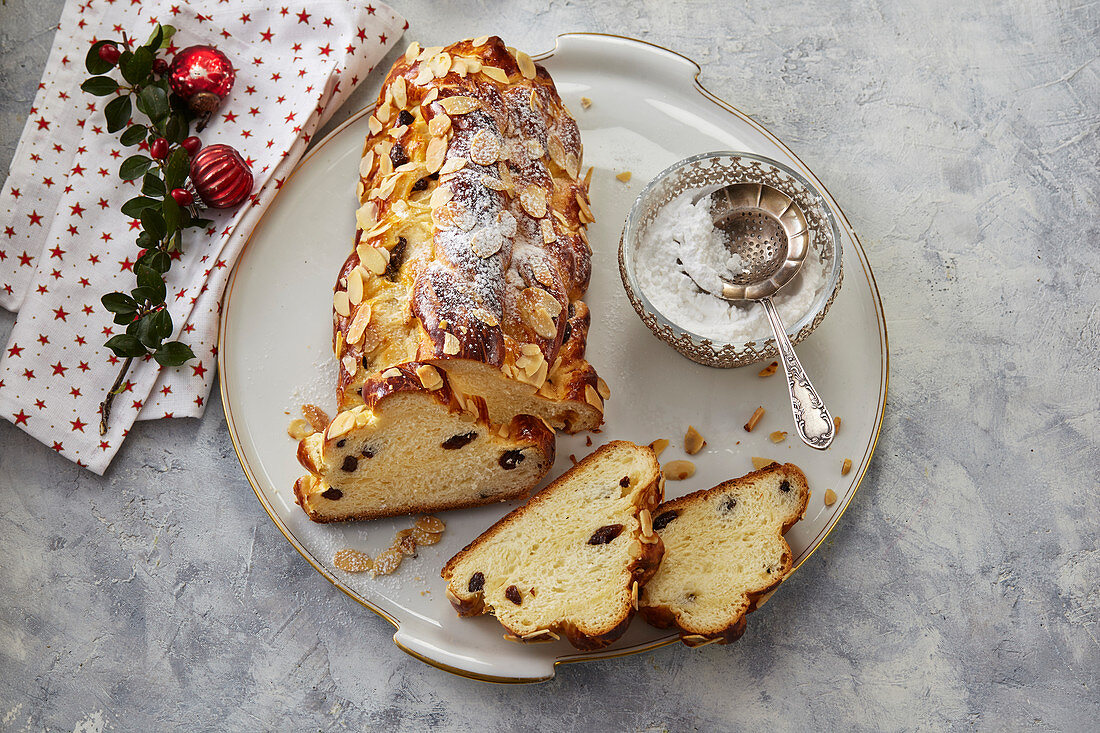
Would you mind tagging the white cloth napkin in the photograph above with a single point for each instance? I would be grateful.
(64, 242)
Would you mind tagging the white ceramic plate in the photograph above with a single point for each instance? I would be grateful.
(647, 112)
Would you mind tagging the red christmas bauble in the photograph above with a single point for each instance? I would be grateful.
(201, 76)
(221, 176)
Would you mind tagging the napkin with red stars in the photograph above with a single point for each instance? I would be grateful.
(64, 242)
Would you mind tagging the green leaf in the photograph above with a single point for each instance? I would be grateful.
(155, 38)
(118, 112)
(149, 278)
(125, 345)
(144, 240)
(136, 66)
(176, 128)
(93, 63)
(162, 324)
(136, 205)
(100, 86)
(153, 222)
(133, 135)
(156, 259)
(176, 169)
(153, 101)
(153, 328)
(174, 242)
(147, 295)
(173, 353)
(169, 31)
(119, 303)
(133, 167)
(151, 185)
(201, 222)
(124, 319)
(171, 214)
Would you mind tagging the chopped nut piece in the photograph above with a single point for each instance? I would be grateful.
(429, 377)
(439, 125)
(624, 176)
(353, 561)
(756, 415)
(299, 429)
(836, 424)
(317, 417)
(778, 436)
(769, 369)
(592, 397)
(678, 470)
(450, 344)
(586, 102)
(846, 467)
(341, 304)
(459, 105)
(659, 446)
(830, 497)
(602, 388)
(693, 441)
(758, 462)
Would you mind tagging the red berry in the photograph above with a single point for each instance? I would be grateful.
(109, 52)
(182, 196)
(192, 145)
(160, 66)
(159, 148)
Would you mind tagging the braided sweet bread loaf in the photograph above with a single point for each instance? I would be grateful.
(462, 296)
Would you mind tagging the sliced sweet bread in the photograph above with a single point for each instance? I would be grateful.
(724, 551)
(411, 449)
(569, 562)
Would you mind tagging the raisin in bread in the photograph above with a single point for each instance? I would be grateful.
(724, 551)
(571, 560)
(471, 257)
(402, 454)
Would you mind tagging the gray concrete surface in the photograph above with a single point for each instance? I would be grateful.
(962, 588)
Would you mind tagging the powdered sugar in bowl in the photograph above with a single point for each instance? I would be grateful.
(669, 245)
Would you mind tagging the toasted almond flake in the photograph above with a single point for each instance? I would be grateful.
(440, 196)
(547, 228)
(533, 200)
(383, 112)
(374, 125)
(450, 344)
(424, 75)
(397, 132)
(317, 417)
(758, 462)
(480, 41)
(836, 424)
(299, 429)
(362, 418)
(678, 470)
(693, 441)
(769, 369)
(493, 183)
(572, 164)
(387, 186)
(586, 102)
(530, 349)
(756, 416)
(341, 424)
(778, 436)
(355, 286)
(534, 149)
(400, 92)
(353, 561)
(602, 388)
(391, 372)
(366, 164)
(459, 105)
(429, 377)
(830, 497)
(428, 52)
(634, 594)
(366, 215)
(340, 303)
(359, 323)
(645, 520)
(439, 125)
(495, 73)
(411, 52)
(360, 189)
(485, 147)
(374, 259)
(846, 467)
(624, 176)
(387, 561)
(430, 524)
(437, 151)
(440, 64)
(350, 364)
(458, 66)
(430, 97)
(452, 165)
(526, 65)
(425, 538)
(401, 209)
(659, 446)
(586, 213)
(592, 397)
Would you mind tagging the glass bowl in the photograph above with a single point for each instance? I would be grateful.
(704, 173)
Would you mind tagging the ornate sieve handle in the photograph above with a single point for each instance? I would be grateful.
(811, 417)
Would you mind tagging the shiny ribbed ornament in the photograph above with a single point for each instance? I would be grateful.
(221, 177)
(201, 76)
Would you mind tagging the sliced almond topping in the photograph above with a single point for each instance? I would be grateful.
(588, 178)
(778, 436)
(350, 364)
(353, 561)
(473, 65)
(424, 76)
(602, 388)
(534, 149)
(428, 52)
(846, 467)
(493, 183)
(458, 66)
(373, 258)
(678, 470)
(758, 462)
(411, 52)
(450, 344)
(355, 286)
(400, 92)
(359, 323)
(624, 176)
(439, 125)
(480, 41)
(586, 213)
(756, 416)
(383, 112)
(366, 164)
(299, 429)
(317, 417)
(659, 446)
(441, 195)
(533, 200)
(693, 441)
(586, 102)
(391, 373)
(340, 303)
(634, 594)
(434, 157)
(430, 97)
(526, 65)
(374, 125)
(592, 397)
(366, 215)
(401, 209)
(547, 228)
(459, 105)
(495, 73)
(440, 64)
(572, 164)
(830, 497)
(429, 377)
(452, 165)
(530, 349)
(341, 424)
(645, 519)
(485, 147)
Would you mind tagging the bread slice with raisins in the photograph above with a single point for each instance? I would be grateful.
(411, 449)
(571, 560)
(724, 552)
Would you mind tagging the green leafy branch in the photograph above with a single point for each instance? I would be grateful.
(163, 207)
